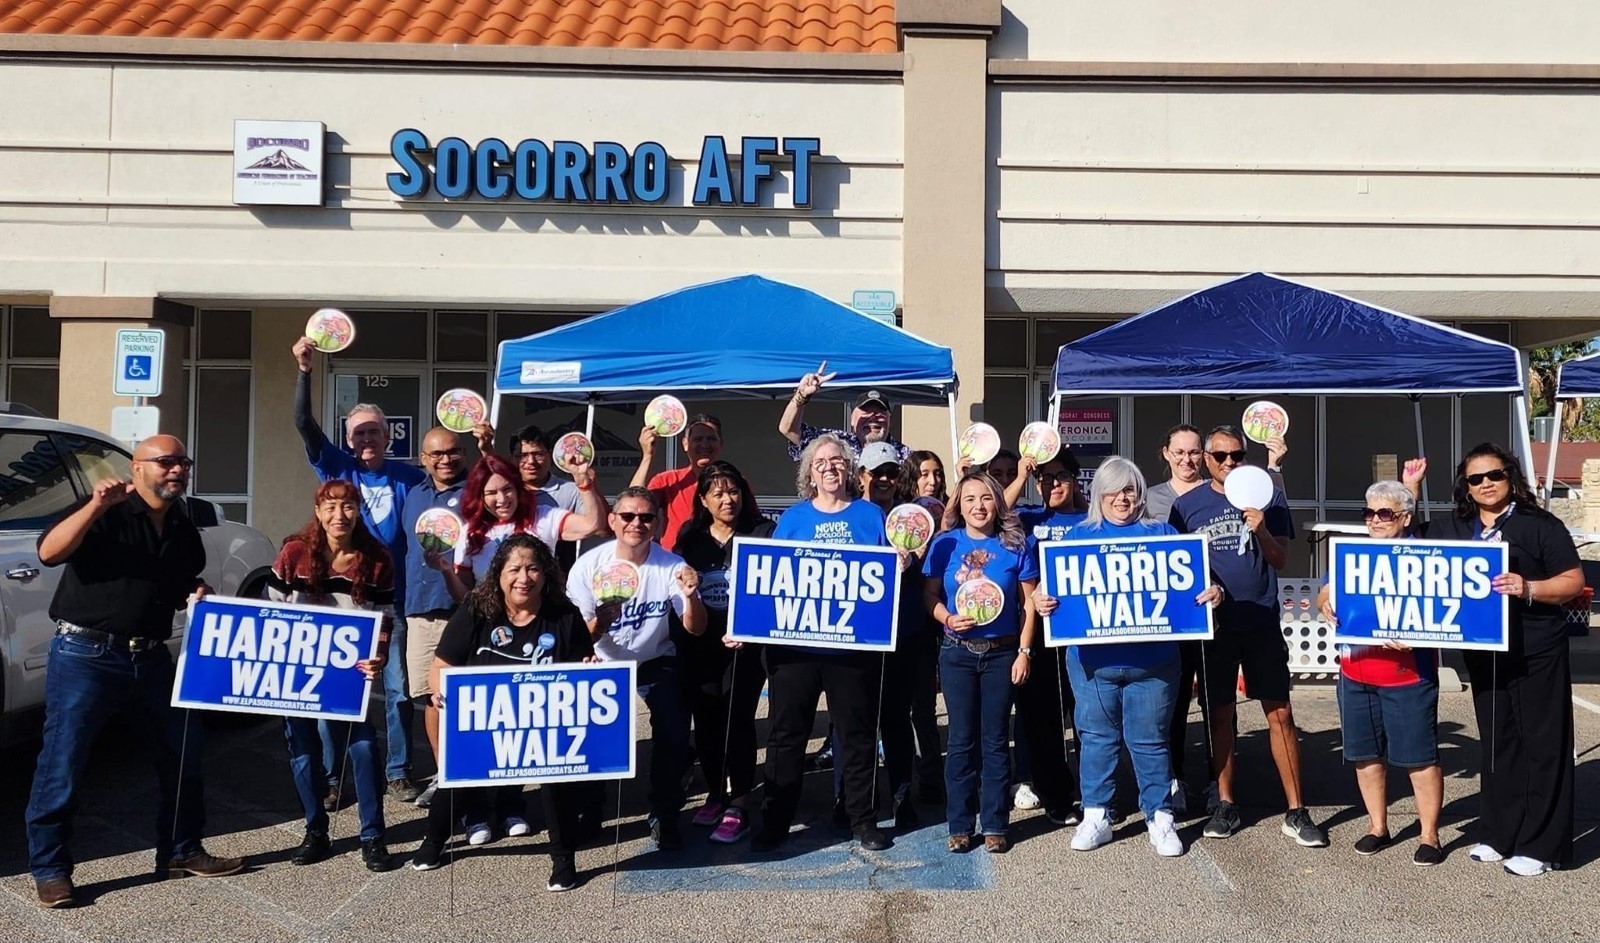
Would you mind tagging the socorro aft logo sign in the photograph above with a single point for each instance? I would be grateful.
(277, 163)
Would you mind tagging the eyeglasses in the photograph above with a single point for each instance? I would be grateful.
(1381, 515)
(169, 462)
(1498, 474)
(886, 473)
(823, 464)
(529, 457)
(1192, 453)
(1237, 457)
(444, 453)
(643, 517)
(1047, 478)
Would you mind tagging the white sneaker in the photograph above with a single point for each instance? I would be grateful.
(1023, 797)
(516, 826)
(1094, 831)
(1482, 852)
(1164, 836)
(478, 834)
(1524, 866)
(1177, 799)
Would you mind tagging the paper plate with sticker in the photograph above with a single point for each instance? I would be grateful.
(461, 409)
(1039, 441)
(910, 527)
(666, 415)
(574, 447)
(438, 530)
(1264, 420)
(980, 599)
(933, 505)
(331, 330)
(617, 581)
(979, 442)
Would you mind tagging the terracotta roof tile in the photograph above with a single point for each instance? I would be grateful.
(767, 25)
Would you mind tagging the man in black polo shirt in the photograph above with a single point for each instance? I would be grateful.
(130, 563)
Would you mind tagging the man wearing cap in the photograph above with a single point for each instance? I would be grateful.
(869, 419)
(675, 489)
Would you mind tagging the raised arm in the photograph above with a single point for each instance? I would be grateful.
(590, 517)
(647, 457)
(305, 422)
(1025, 469)
(794, 412)
(63, 540)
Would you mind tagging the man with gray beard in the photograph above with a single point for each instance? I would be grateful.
(869, 419)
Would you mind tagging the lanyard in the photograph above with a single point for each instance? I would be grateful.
(1492, 532)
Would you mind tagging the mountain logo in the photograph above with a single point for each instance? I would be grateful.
(277, 161)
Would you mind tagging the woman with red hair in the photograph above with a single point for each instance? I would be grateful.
(335, 561)
(495, 505)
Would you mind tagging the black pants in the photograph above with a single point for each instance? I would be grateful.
(562, 803)
(1178, 736)
(908, 719)
(795, 680)
(1044, 707)
(722, 690)
(1523, 705)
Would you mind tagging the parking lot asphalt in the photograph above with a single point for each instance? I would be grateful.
(1257, 885)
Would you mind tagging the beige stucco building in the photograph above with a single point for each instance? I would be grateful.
(1018, 175)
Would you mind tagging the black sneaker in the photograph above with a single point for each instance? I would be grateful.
(427, 856)
(841, 818)
(871, 838)
(769, 839)
(375, 854)
(1297, 825)
(404, 789)
(563, 874)
(1067, 816)
(1427, 856)
(1370, 844)
(314, 848)
(905, 815)
(664, 832)
(1224, 821)
(823, 758)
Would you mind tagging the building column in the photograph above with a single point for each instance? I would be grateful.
(946, 45)
(281, 482)
(89, 328)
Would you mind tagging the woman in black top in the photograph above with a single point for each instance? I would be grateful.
(518, 614)
(722, 688)
(1522, 697)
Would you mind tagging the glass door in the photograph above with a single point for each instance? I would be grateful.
(399, 392)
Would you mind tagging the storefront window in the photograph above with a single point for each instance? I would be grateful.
(1373, 436)
(388, 335)
(1050, 334)
(224, 335)
(1485, 417)
(37, 387)
(34, 333)
(222, 431)
(1005, 406)
(461, 337)
(1152, 417)
(512, 325)
(1005, 343)
(1300, 468)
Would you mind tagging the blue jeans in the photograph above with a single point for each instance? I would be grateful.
(662, 692)
(1118, 705)
(307, 741)
(977, 769)
(85, 684)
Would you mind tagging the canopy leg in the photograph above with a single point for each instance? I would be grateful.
(1549, 489)
(1416, 411)
(955, 436)
(494, 411)
(588, 422)
(1524, 445)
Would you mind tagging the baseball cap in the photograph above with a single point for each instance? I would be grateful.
(878, 454)
(872, 396)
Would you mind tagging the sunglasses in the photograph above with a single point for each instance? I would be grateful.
(823, 464)
(886, 473)
(1382, 515)
(1237, 457)
(643, 517)
(1047, 478)
(169, 462)
(1499, 474)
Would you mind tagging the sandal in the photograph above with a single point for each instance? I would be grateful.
(996, 844)
(959, 844)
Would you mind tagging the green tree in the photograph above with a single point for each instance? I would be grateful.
(1544, 363)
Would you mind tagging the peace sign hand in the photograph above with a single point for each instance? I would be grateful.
(812, 382)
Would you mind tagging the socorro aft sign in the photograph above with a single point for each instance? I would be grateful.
(1136, 590)
(254, 657)
(542, 724)
(813, 595)
(1424, 593)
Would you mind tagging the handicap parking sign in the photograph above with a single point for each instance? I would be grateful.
(136, 368)
(138, 362)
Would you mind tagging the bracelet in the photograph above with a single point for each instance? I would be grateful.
(800, 400)
(587, 487)
(1527, 591)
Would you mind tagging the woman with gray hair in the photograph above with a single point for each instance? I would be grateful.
(1124, 690)
(1389, 704)
(832, 512)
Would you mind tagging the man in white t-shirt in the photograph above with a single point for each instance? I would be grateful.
(639, 628)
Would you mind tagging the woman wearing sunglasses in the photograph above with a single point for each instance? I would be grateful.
(1389, 703)
(1522, 697)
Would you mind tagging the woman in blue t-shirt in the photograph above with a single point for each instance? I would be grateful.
(1124, 690)
(980, 576)
(831, 511)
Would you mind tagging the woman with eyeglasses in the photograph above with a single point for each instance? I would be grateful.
(1124, 691)
(1389, 703)
(1522, 697)
(495, 505)
(518, 614)
(335, 561)
(830, 511)
(980, 577)
(722, 679)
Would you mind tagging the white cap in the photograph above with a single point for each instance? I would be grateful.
(878, 454)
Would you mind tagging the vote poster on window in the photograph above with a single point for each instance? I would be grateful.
(814, 595)
(251, 657)
(1137, 590)
(505, 725)
(1423, 593)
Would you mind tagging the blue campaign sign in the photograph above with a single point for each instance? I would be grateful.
(1425, 593)
(1138, 590)
(255, 657)
(504, 725)
(814, 595)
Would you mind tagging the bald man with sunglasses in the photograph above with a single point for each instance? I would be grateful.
(1247, 548)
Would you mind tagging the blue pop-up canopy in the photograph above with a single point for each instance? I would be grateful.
(1579, 376)
(1260, 334)
(746, 336)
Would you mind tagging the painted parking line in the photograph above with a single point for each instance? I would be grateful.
(815, 859)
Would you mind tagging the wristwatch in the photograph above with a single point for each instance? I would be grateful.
(1026, 650)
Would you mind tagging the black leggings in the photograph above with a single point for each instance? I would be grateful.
(722, 690)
